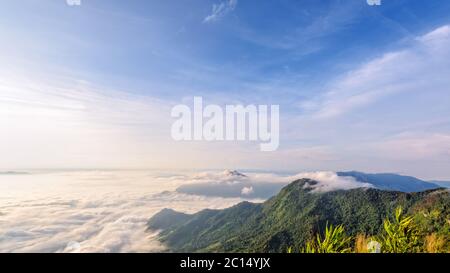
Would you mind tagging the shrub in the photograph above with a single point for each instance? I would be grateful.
(400, 235)
(335, 241)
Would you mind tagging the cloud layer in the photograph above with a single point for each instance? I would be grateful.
(107, 211)
(90, 211)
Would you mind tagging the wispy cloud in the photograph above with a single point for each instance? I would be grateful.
(415, 146)
(423, 66)
(304, 37)
(80, 121)
(220, 10)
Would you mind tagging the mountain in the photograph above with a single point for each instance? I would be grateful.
(293, 216)
(444, 184)
(13, 173)
(166, 218)
(394, 182)
(234, 173)
(236, 184)
(232, 183)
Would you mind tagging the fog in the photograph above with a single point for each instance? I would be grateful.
(107, 211)
(89, 211)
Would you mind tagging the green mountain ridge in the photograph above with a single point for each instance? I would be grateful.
(392, 181)
(292, 217)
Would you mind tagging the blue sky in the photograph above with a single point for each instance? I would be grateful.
(360, 87)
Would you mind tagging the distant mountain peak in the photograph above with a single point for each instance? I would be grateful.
(391, 181)
(166, 218)
(233, 173)
(304, 183)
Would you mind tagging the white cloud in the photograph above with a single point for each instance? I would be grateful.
(330, 181)
(220, 10)
(436, 35)
(74, 124)
(107, 211)
(90, 211)
(247, 190)
(410, 146)
(425, 65)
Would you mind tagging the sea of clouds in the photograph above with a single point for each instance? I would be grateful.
(107, 211)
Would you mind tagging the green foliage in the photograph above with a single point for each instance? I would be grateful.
(335, 241)
(400, 235)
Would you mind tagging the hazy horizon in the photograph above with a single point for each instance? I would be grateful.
(26, 171)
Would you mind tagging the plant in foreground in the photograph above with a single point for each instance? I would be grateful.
(361, 242)
(334, 241)
(373, 247)
(435, 243)
(400, 235)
